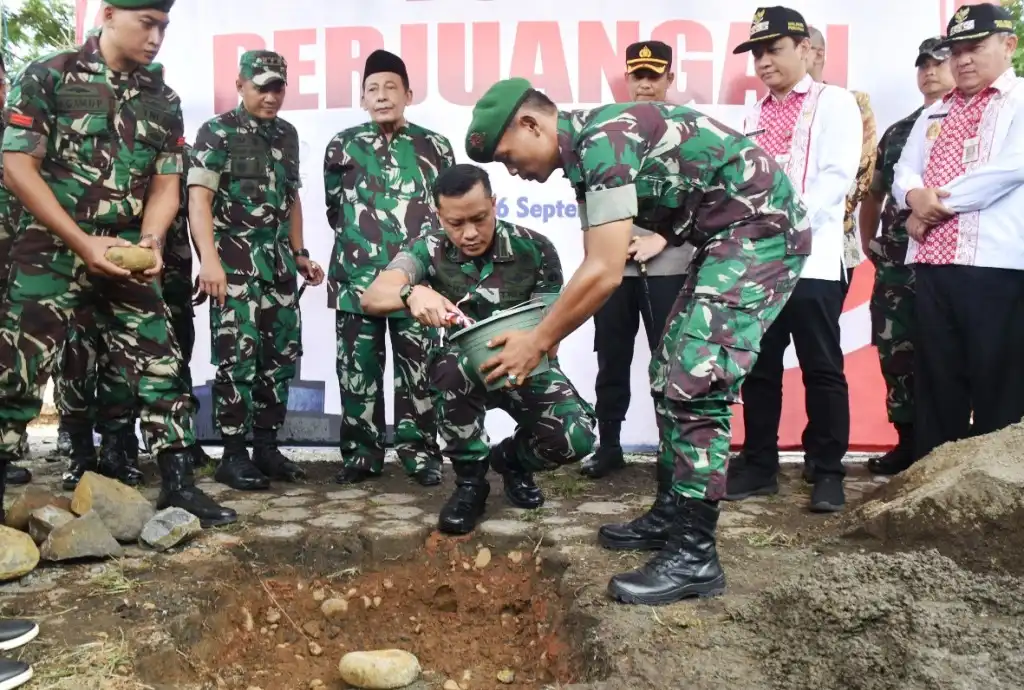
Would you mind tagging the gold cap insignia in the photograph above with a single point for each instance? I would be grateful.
(758, 16)
(645, 52)
(961, 14)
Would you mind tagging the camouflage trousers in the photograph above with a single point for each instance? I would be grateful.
(554, 425)
(256, 343)
(362, 355)
(893, 325)
(7, 231)
(48, 285)
(734, 291)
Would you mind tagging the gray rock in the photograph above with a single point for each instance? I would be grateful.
(31, 498)
(122, 509)
(286, 514)
(18, 554)
(84, 537)
(168, 528)
(44, 520)
(285, 531)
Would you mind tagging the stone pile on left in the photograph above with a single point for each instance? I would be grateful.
(102, 515)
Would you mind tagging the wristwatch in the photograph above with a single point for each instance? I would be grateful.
(301, 253)
(405, 292)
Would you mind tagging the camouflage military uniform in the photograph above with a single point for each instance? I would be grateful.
(253, 166)
(378, 197)
(892, 300)
(100, 136)
(737, 206)
(865, 173)
(555, 425)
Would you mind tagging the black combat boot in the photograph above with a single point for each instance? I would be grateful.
(652, 529)
(467, 503)
(429, 474)
(236, 469)
(520, 489)
(15, 475)
(686, 567)
(899, 458)
(115, 458)
(63, 444)
(608, 458)
(178, 490)
(270, 460)
(83, 458)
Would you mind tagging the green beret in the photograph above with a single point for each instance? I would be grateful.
(492, 115)
(161, 5)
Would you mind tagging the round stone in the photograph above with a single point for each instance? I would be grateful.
(506, 528)
(563, 534)
(291, 501)
(337, 521)
(285, 514)
(341, 507)
(279, 531)
(603, 508)
(393, 499)
(346, 495)
(244, 506)
(398, 512)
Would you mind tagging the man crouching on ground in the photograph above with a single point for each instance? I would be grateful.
(485, 265)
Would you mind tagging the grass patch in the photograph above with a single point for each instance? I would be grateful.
(102, 665)
(563, 484)
(770, 538)
(113, 582)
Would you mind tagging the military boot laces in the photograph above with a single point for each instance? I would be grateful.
(82, 459)
(469, 500)
(686, 567)
(237, 470)
(268, 457)
(115, 459)
(649, 531)
(178, 490)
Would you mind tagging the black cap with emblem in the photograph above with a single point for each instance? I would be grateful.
(770, 23)
(974, 22)
(649, 55)
(931, 48)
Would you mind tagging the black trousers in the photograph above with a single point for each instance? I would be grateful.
(969, 354)
(615, 327)
(811, 319)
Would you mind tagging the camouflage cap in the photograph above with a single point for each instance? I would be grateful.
(262, 67)
(492, 115)
(161, 5)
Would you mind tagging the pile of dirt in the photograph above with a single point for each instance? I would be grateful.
(470, 616)
(965, 499)
(890, 622)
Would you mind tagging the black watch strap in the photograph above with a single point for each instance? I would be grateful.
(301, 253)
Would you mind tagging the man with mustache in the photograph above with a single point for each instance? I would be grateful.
(245, 214)
(377, 182)
(650, 284)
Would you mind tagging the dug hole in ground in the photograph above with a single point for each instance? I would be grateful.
(918, 586)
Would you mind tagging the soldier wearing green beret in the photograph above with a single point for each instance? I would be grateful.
(691, 179)
(245, 213)
(93, 150)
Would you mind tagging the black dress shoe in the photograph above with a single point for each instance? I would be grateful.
(14, 674)
(899, 458)
(686, 567)
(17, 632)
(16, 476)
(607, 460)
(469, 500)
(828, 495)
(429, 475)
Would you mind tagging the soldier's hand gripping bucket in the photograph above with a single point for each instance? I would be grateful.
(472, 340)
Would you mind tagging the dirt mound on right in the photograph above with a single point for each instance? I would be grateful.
(913, 621)
(965, 499)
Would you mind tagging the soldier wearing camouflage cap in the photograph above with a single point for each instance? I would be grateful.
(690, 179)
(245, 213)
(377, 180)
(486, 265)
(109, 168)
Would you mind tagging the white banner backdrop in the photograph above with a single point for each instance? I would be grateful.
(455, 49)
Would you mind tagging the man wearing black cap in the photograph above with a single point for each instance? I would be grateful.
(650, 284)
(892, 299)
(960, 175)
(378, 178)
(814, 132)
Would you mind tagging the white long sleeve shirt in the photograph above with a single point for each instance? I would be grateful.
(989, 196)
(816, 134)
